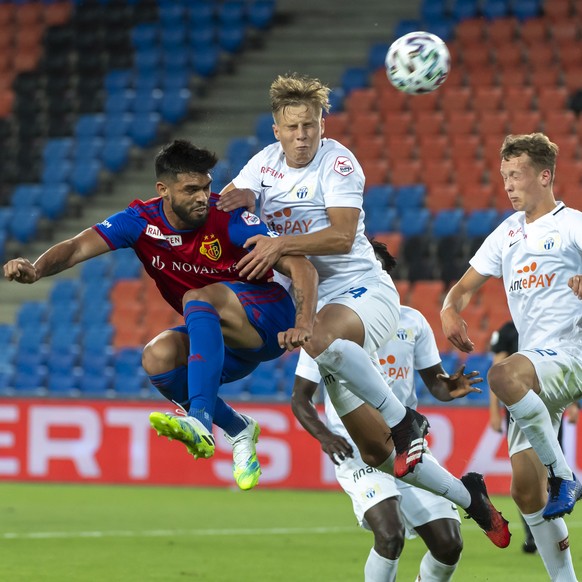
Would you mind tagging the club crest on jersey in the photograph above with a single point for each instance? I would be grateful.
(552, 242)
(211, 248)
(343, 166)
(249, 218)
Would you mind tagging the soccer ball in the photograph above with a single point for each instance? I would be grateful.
(418, 62)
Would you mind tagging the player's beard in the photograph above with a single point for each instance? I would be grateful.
(188, 217)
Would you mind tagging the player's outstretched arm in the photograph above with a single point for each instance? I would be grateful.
(334, 445)
(62, 256)
(575, 283)
(444, 387)
(336, 239)
(454, 327)
(305, 281)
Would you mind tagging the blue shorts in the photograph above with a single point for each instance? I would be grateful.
(269, 309)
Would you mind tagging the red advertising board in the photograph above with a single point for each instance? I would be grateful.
(112, 442)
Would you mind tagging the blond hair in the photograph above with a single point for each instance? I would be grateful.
(294, 89)
(541, 151)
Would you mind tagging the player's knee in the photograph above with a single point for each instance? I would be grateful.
(163, 353)
(504, 380)
(193, 295)
(389, 539)
(449, 548)
(375, 455)
(527, 498)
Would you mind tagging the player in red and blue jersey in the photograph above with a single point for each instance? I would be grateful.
(191, 249)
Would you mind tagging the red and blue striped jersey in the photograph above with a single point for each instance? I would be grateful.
(179, 260)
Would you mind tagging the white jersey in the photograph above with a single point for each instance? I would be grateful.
(536, 260)
(412, 348)
(294, 201)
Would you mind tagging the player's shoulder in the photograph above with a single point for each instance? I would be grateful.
(411, 317)
(567, 214)
(150, 207)
(337, 156)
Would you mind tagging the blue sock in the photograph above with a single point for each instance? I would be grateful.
(205, 361)
(228, 419)
(173, 385)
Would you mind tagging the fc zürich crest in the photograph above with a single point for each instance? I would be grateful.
(211, 248)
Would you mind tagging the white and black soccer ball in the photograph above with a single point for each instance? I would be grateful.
(418, 62)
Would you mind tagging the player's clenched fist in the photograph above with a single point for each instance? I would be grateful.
(575, 283)
(21, 270)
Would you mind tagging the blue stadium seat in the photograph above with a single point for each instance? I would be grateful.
(480, 223)
(90, 125)
(174, 80)
(450, 361)
(175, 104)
(526, 9)
(432, 9)
(128, 385)
(147, 101)
(147, 59)
(31, 314)
(32, 339)
(379, 196)
(127, 362)
(447, 222)
(92, 362)
(119, 102)
(30, 381)
(237, 389)
(172, 15)
(261, 13)
(25, 196)
(240, 150)
(480, 363)
(231, 12)
(94, 313)
(54, 200)
(465, 9)
(377, 55)
(231, 36)
(148, 80)
(144, 129)
(206, 60)
(221, 175)
(97, 337)
(264, 128)
(7, 335)
(117, 125)
(58, 148)
(203, 36)
(96, 386)
(405, 26)
(61, 314)
(118, 79)
(265, 381)
(494, 9)
(115, 156)
(411, 196)
(65, 336)
(61, 362)
(381, 220)
(174, 38)
(56, 171)
(85, 176)
(144, 35)
(354, 78)
(336, 99)
(5, 218)
(62, 383)
(87, 148)
(414, 221)
(64, 291)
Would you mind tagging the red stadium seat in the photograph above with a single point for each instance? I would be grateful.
(425, 293)
(559, 121)
(502, 30)
(57, 13)
(470, 32)
(405, 173)
(544, 77)
(375, 171)
(336, 125)
(518, 98)
(476, 196)
(476, 57)
(455, 98)
(426, 102)
(557, 10)
(573, 79)
(465, 147)
(363, 99)
(368, 147)
(469, 173)
(514, 76)
(568, 143)
(565, 30)
(460, 122)
(569, 55)
(540, 55)
(392, 240)
(363, 123)
(433, 147)
(127, 291)
(508, 56)
(402, 286)
(456, 77)
(400, 147)
(396, 123)
(483, 77)
(428, 123)
(487, 98)
(492, 123)
(534, 31)
(436, 172)
(552, 98)
(525, 121)
(442, 196)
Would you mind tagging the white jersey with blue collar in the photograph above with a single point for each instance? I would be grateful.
(294, 201)
(536, 260)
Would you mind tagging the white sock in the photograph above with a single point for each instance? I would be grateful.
(534, 420)
(352, 364)
(379, 569)
(553, 545)
(431, 570)
(431, 476)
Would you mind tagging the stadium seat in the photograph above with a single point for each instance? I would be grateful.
(85, 176)
(410, 196)
(428, 123)
(480, 223)
(90, 125)
(424, 102)
(397, 123)
(414, 221)
(470, 31)
(116, 153)
(381, 220)
(54, 200)
(433, 147)
(441, 196)
(261, 13)
(143, 129)
(62, 383)
(24, 225)
(375, 171)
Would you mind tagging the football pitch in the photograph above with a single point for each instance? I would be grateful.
(100, 533)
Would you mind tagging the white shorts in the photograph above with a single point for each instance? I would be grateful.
(559, 372)
(367, 486)
(377, 304)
